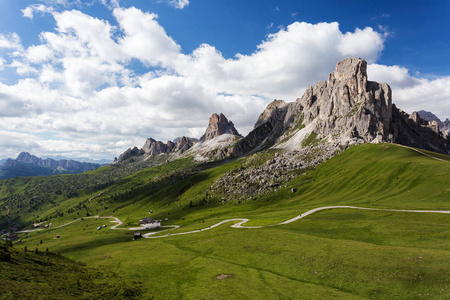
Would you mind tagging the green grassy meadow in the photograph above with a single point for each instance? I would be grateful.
(331, 254)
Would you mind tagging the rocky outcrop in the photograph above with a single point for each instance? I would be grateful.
(412, 130)
(218, 140)
(344, 110)
(267, 129)
(184, 144)
(254, 179)
(444, 126)
(130, 153)
(218, 125)
(153, 147)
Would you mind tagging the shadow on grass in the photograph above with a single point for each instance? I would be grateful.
(99, 242)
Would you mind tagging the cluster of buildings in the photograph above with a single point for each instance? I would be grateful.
(149, 223)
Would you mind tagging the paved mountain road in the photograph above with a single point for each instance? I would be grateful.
(240, 222)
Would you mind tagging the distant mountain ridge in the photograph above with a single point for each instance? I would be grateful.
(80, 159)
(27, 164)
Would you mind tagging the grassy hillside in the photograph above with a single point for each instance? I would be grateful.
(339, 254)
(45, 275)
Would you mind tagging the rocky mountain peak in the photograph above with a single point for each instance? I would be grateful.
(26, 157)
(218, 125)
(346, 109)
(353, 73)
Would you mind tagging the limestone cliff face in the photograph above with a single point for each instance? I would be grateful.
(348, 105)
(218, 125)
(129, 153)
(153, 147)
(184, 144)
(346, 109)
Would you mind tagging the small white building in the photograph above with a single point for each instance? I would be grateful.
(149, 223)
(153, 225)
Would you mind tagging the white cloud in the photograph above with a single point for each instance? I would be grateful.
(285, 63)
(413, 94)
(366, 43)
(180, 4)
(10, 41)
(29, 11)
(38, 54)
(145, 39)
(90, 36)
(111, 4)
(11, 142)
(396, 76)
(22, 68)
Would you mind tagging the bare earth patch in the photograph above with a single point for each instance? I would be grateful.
(223, 276)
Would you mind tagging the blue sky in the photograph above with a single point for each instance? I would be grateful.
(92, 78)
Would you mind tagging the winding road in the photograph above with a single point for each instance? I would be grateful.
(243, 221)
(239, 224)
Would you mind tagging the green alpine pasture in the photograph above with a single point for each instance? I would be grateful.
(332, 254)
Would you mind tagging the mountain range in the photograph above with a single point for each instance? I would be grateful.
(345, 110)
(27, 164)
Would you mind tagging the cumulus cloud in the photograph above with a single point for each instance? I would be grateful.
(79, 84)
(411, 93)
(365, 43)
(29, 11)
(10, 142)
(285, 63)
(10, 41)
(145, 39)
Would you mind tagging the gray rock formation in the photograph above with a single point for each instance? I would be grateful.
(444, 126)
(130, 153)
(184, 144)
(412, 130)
(153, 147)
(346, 109)
(218, 125)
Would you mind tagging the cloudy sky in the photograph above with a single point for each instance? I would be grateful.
(91, 78)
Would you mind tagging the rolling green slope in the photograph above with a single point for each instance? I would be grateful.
(336, 254)
(38, 274)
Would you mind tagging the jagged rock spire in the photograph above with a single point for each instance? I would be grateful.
(218, 125)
